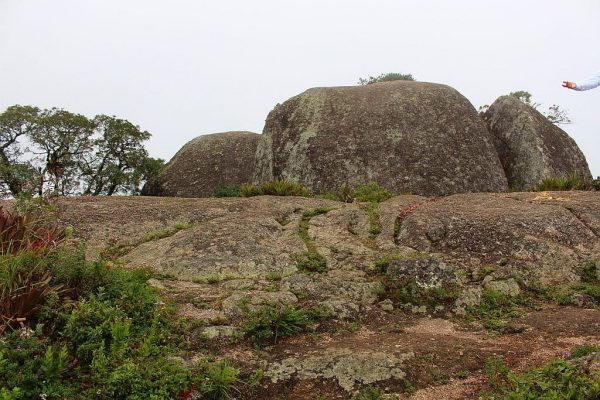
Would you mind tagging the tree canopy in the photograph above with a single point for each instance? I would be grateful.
(59, 152)
(391, 76)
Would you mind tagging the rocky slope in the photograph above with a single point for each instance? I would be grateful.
(223, 258)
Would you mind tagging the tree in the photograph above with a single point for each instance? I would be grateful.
(71, 154)
(16, 122)
(61, 140)
(119, 153)
(392, 76)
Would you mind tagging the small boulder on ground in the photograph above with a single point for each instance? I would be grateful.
(205, 163)
(531, 148)
(415, 137)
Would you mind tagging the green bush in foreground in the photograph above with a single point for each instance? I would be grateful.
(109, 341)
(557, 380)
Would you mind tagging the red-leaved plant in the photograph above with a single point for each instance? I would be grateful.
(24, 284)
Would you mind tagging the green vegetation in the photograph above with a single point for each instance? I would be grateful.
(311, 260)
(277, 320)
(583, 351)
(382, 264)
(371, 192)
(227, 191)
(410, 291)
(496, 308)
(372, 210)
(61, 153)
(571, 181)
(275, 188)
(558, 379)
(369, 393)
(392, 76)
(71, 328)
(114, 249)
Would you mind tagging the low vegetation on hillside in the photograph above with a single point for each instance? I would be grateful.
(72, 328)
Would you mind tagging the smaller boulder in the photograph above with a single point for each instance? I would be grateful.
(530, 147)
(205, 163)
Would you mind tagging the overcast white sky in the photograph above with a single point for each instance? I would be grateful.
(182, 68)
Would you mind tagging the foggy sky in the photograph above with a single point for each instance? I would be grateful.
(183, 68)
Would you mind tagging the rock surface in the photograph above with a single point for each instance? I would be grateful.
(530, 147)
(205, 163)
(412, 137)
(220, 259)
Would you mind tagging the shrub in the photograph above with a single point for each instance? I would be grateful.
(275, 188)
(221, 381)
(392, 76)
(371, 192)
(557, 379)
(311, 261)
(369, 393)
(494, 308)
(227, 191)
(276, 320)
(382, 264)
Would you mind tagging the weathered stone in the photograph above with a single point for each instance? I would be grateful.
(538, 237)
(427, 272)
(348, 367)
(530, 147)
(218, 332)
(386, 305)
(415, 137)
(507, 287)
(239, 304)
(340, 308)
(468, 298)
(205, 163)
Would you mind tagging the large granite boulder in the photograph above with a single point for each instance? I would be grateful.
(530, 147)
(205, 163)
(415, 137)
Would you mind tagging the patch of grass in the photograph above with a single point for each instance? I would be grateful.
(496, 372)
(462, 374)
(369, 393)
(571, 181)
(589, 272)
(311, 261)
(409, 387)
(495, 309)
(274, 276)
(558, 379)
(283, 221)
(277, 320)
(583, 351)
(278, 187)
(372, 210)
(411, 291)
(371, 192)
(227, 191)
(382, 264)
